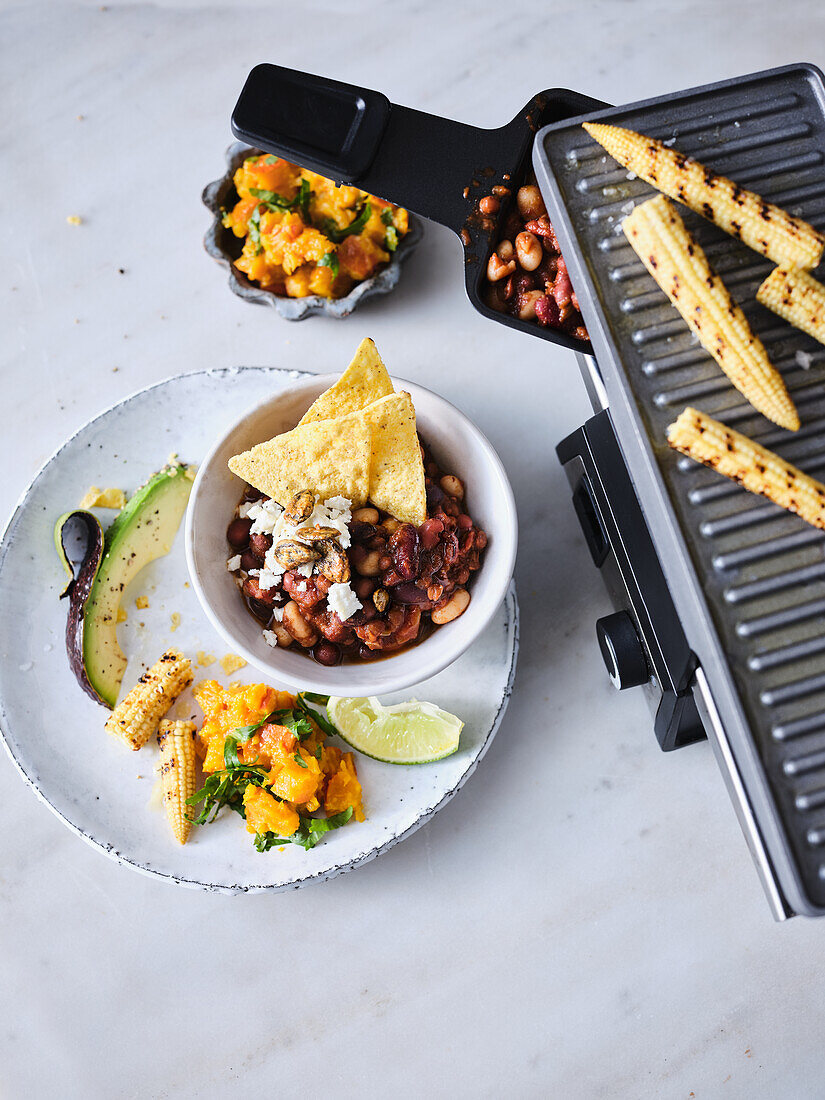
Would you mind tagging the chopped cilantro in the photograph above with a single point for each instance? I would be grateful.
(386, 217)
(296, 756)
(330, 260)
(270, 159)
(337, 235)
(391, 239)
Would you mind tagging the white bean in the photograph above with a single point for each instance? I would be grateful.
(365, 515)
(530, 203)
(529, 251)
(455, 606)
(303, 632)
(452, 486)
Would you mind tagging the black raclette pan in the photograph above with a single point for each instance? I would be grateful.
(433, 166)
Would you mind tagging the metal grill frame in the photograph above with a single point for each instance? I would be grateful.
(708, 533)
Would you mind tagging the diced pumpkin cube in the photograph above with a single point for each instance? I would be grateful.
(265, 814)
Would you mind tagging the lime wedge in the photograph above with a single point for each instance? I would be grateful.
(405, 733)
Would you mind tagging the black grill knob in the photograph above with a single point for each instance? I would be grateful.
(622, 652)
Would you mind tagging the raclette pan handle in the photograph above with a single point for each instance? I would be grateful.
(423, 162)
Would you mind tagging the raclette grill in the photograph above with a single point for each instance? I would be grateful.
(719, 595)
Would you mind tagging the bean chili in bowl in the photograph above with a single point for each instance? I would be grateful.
(526, 275)
(362, 584)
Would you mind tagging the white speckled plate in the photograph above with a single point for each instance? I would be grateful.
(54, 733)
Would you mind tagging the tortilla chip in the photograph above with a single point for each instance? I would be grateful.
(330, 457)
(396, 468)
(365, 380)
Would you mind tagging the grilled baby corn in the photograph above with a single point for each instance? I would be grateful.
(136, 718)
(754, 467)
(677, 263)
(798, 298)
(177, 773)
(762, 226)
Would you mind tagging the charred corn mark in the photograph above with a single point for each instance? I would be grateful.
(680, 267)
(137, 717)
(762, 226)
(752, 466)
(176, 741)
(798, 298)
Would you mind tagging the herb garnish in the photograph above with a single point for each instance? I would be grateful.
(330, 260)
(254, 226)
(391, 239)
(277, 203)
(308, 833)
(337, 235)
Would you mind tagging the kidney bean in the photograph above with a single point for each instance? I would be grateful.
(363, 587)
(435, 495)
(237, 533)
(253, 590)
(260, 544)
(261, 611)
(429, 532)
(361, 532)
(249, 560)
(464, 522)
(327, 653)
(404, 551)
(367, 654)
(409, 593)
(547, 312)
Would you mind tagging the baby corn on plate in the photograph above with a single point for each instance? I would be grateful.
(133, 792)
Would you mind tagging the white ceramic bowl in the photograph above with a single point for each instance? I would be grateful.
(459, 448)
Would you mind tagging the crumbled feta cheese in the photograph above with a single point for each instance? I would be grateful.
(271, 638)
(301, 586)
(267, 579)
(246, 508)
(234, 563)
(631, 175)
(277, 614)
(628, 207)
(804, 359)
(669, 142)
(737, 124)
(342, 600)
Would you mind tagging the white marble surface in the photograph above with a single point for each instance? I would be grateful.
(583, 919)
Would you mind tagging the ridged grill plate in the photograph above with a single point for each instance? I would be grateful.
(747, 578)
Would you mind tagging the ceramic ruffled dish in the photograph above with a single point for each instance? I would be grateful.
(224, 247)
(105, 793)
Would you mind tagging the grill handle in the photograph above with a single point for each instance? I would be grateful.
(426, 163)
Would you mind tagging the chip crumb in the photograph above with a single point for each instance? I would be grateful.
(74, 219)
(231, 663)
(121, 615)
(236, 686)
(142, 602)
(206, 659)
(28, 665)
(174, 620)
(103, 498)
(186, 584)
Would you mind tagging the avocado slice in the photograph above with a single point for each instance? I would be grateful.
(143, 531)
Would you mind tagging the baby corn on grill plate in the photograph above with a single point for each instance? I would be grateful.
(747, 578)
